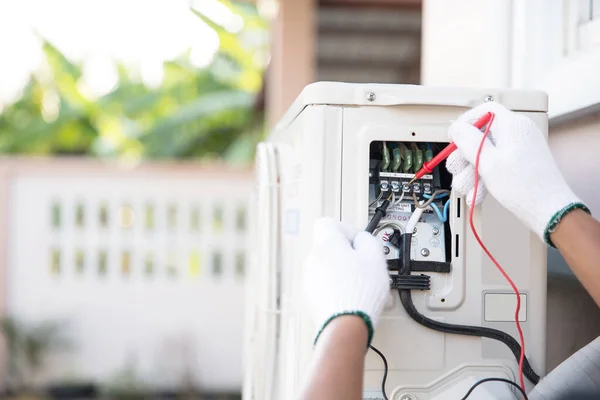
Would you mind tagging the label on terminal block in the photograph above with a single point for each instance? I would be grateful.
(401, 175)
(402, 207)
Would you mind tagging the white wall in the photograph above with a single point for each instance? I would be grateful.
(161, 302)
(472, 43)
(576, 146)
(465, 43)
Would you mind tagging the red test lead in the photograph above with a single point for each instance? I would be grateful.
(442, 155)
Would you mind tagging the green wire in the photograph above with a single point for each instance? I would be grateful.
(385, 164)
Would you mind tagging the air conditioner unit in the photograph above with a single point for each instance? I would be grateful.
(327, 158)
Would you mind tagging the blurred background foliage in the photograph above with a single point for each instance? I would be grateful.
(194, 113)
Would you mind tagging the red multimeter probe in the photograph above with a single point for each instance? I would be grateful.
(442, 155)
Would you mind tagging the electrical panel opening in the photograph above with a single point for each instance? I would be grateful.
(392, 165)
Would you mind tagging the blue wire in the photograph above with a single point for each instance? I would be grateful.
(446, 208)
(435, 208)
(439, 196)
(437, 211)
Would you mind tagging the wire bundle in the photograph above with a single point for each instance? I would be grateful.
(518, 349)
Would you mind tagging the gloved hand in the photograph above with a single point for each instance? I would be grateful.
(516, 166)
(346, 273)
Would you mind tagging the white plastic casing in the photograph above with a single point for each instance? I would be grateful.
(321, 161)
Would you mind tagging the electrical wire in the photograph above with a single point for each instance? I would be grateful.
(487, 252)
(377, 199)
(437, 195)
(399, 200)
(385, 371)
(412, 222)
(406, 299)
(446, 209)
(429, 201)
(495, 380)
(467, 330)
(443, 217)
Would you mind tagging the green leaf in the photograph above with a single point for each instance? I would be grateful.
(167, 134)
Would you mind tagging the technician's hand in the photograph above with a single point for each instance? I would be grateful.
(346, 273)
(516, 166)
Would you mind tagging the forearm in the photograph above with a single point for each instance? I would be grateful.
(577, 237)
(338, 364)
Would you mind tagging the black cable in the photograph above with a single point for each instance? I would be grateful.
(407, 303)
(379, 214)
(495, 380)
(385, 371)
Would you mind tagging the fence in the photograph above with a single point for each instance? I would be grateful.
(144, 266)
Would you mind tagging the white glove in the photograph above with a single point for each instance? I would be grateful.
(345, 274)
(516, 166)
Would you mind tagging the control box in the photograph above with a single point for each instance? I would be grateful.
(342, 149)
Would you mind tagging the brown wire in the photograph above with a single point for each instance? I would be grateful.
(430, 200)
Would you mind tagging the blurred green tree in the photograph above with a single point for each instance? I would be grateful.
(199, 113)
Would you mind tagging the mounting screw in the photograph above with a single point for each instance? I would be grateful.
(488, 99)
(407, 397)
(386, 250)
(425, 252)
(371, 96)
(435, 231)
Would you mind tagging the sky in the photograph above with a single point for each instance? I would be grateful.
(140, 33)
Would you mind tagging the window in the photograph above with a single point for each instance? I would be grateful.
(171, 264)
(79, 261)
(194, 263)
(127, 216)
(149, 265)
(240, 219)
(582, 25)
(149, 217)
(556, 48)
(126, 263)
(102, 270)
(588, 26)
(218, 219)
(217, 264)
(240, 264)
(195, 219)
(56, 215)
(55, 262)
(172, 216)
(79, 215)
(103, 215)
